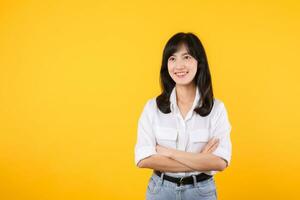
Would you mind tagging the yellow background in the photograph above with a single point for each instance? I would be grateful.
(74, 77)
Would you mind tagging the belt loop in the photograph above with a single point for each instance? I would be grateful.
(195, 180)
(162, 177)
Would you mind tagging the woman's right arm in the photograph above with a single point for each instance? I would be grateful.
(164, 164)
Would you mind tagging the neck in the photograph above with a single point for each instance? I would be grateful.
(186, 93)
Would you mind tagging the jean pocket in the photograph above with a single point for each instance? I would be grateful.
(154, 186)
(206, 188)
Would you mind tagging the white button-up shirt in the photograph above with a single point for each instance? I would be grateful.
(190, 134)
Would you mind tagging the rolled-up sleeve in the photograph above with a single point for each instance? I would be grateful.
(145, 145)
(221, 129)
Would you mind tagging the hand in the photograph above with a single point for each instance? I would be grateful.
(210, 146)
(163, 150)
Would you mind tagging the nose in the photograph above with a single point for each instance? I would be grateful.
(179, 64)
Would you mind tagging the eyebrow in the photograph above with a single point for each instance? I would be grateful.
(186, 53)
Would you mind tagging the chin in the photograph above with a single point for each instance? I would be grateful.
(180, 83)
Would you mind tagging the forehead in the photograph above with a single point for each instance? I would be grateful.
(181, 50)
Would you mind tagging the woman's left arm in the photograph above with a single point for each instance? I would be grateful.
(213, 160)
(197, 161)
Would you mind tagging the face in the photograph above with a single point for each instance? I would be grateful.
(182, 67)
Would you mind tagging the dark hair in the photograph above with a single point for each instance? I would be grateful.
(202, 78)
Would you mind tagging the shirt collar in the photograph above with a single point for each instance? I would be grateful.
(173, 101)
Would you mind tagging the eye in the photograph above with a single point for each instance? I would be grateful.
(187, 57)
(171, 58)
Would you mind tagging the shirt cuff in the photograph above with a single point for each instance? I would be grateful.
(223, 154)
(143, 152)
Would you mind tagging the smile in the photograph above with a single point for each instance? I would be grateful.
(181, 74)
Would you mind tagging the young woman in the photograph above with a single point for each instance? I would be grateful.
(184, 133)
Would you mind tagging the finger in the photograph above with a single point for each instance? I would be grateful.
(216, 142)
(211, 142)
(205, 148)
(214, 147)
(157, 147)
(209, 145)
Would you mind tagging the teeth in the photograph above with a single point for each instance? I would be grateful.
(181, 73)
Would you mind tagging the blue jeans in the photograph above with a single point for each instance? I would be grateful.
(159, 189)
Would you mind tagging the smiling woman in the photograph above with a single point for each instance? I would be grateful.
(184, 133)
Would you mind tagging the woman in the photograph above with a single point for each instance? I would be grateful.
(184, 133)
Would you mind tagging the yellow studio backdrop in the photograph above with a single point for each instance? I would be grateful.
(75, 75)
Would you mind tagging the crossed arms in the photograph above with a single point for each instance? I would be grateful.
(172, 160)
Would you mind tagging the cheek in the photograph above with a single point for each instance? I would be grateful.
(193, 68)
(170, 69)
(192, 71)
(170, 66)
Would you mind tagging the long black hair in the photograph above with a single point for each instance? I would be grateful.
(202, 78)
